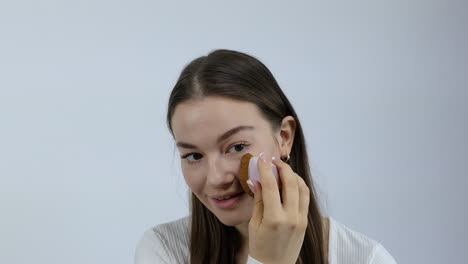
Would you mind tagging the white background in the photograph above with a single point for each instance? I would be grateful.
(87, 163)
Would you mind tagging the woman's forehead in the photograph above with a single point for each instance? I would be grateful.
(214, 115)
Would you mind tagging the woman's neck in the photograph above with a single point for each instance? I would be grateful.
(244, 231)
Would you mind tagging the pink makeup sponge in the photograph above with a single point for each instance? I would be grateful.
(249, 171)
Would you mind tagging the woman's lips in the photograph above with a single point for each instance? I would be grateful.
(228, 203)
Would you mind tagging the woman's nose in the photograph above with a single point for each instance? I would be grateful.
(220, 172)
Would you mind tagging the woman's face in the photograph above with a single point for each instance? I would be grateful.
(211, 135)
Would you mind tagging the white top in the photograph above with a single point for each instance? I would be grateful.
(169, 243)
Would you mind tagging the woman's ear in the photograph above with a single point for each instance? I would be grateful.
(286, 134)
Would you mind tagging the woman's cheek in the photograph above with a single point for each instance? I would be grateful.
(193, 178)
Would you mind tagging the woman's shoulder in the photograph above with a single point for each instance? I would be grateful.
(349, 246)
(165, 243)
(173, 230)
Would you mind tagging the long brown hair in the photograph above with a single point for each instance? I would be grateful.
(242, 77)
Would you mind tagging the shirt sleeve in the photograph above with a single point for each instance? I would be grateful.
(381, 256)
(150, 250)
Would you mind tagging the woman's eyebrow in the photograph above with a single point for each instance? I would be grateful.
(186, 145)
(233, 131)
(221, 138)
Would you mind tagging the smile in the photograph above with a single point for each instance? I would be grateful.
(229, 201)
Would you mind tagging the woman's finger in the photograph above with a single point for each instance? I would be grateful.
(289, 186)
(270, 191)
(257, 213)
(304, 197)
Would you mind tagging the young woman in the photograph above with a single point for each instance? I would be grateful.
(224, 105)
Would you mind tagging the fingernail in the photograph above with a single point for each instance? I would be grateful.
(249, 182)
(261, 156)
(252, 186)
(273, 158)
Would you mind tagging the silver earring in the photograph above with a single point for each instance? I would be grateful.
(286, 159)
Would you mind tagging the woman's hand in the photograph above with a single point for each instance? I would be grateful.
(276, 230)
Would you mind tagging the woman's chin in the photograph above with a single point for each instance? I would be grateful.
(232, 222)
(234, 218)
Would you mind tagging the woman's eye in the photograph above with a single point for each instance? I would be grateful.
(193, 156)
(237, 148)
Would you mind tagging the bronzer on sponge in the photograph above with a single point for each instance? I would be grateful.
(249, 171)
(244, 173)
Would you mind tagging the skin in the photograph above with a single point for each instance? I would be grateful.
(210, 165)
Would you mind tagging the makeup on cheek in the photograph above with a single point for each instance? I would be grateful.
(249, 171)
